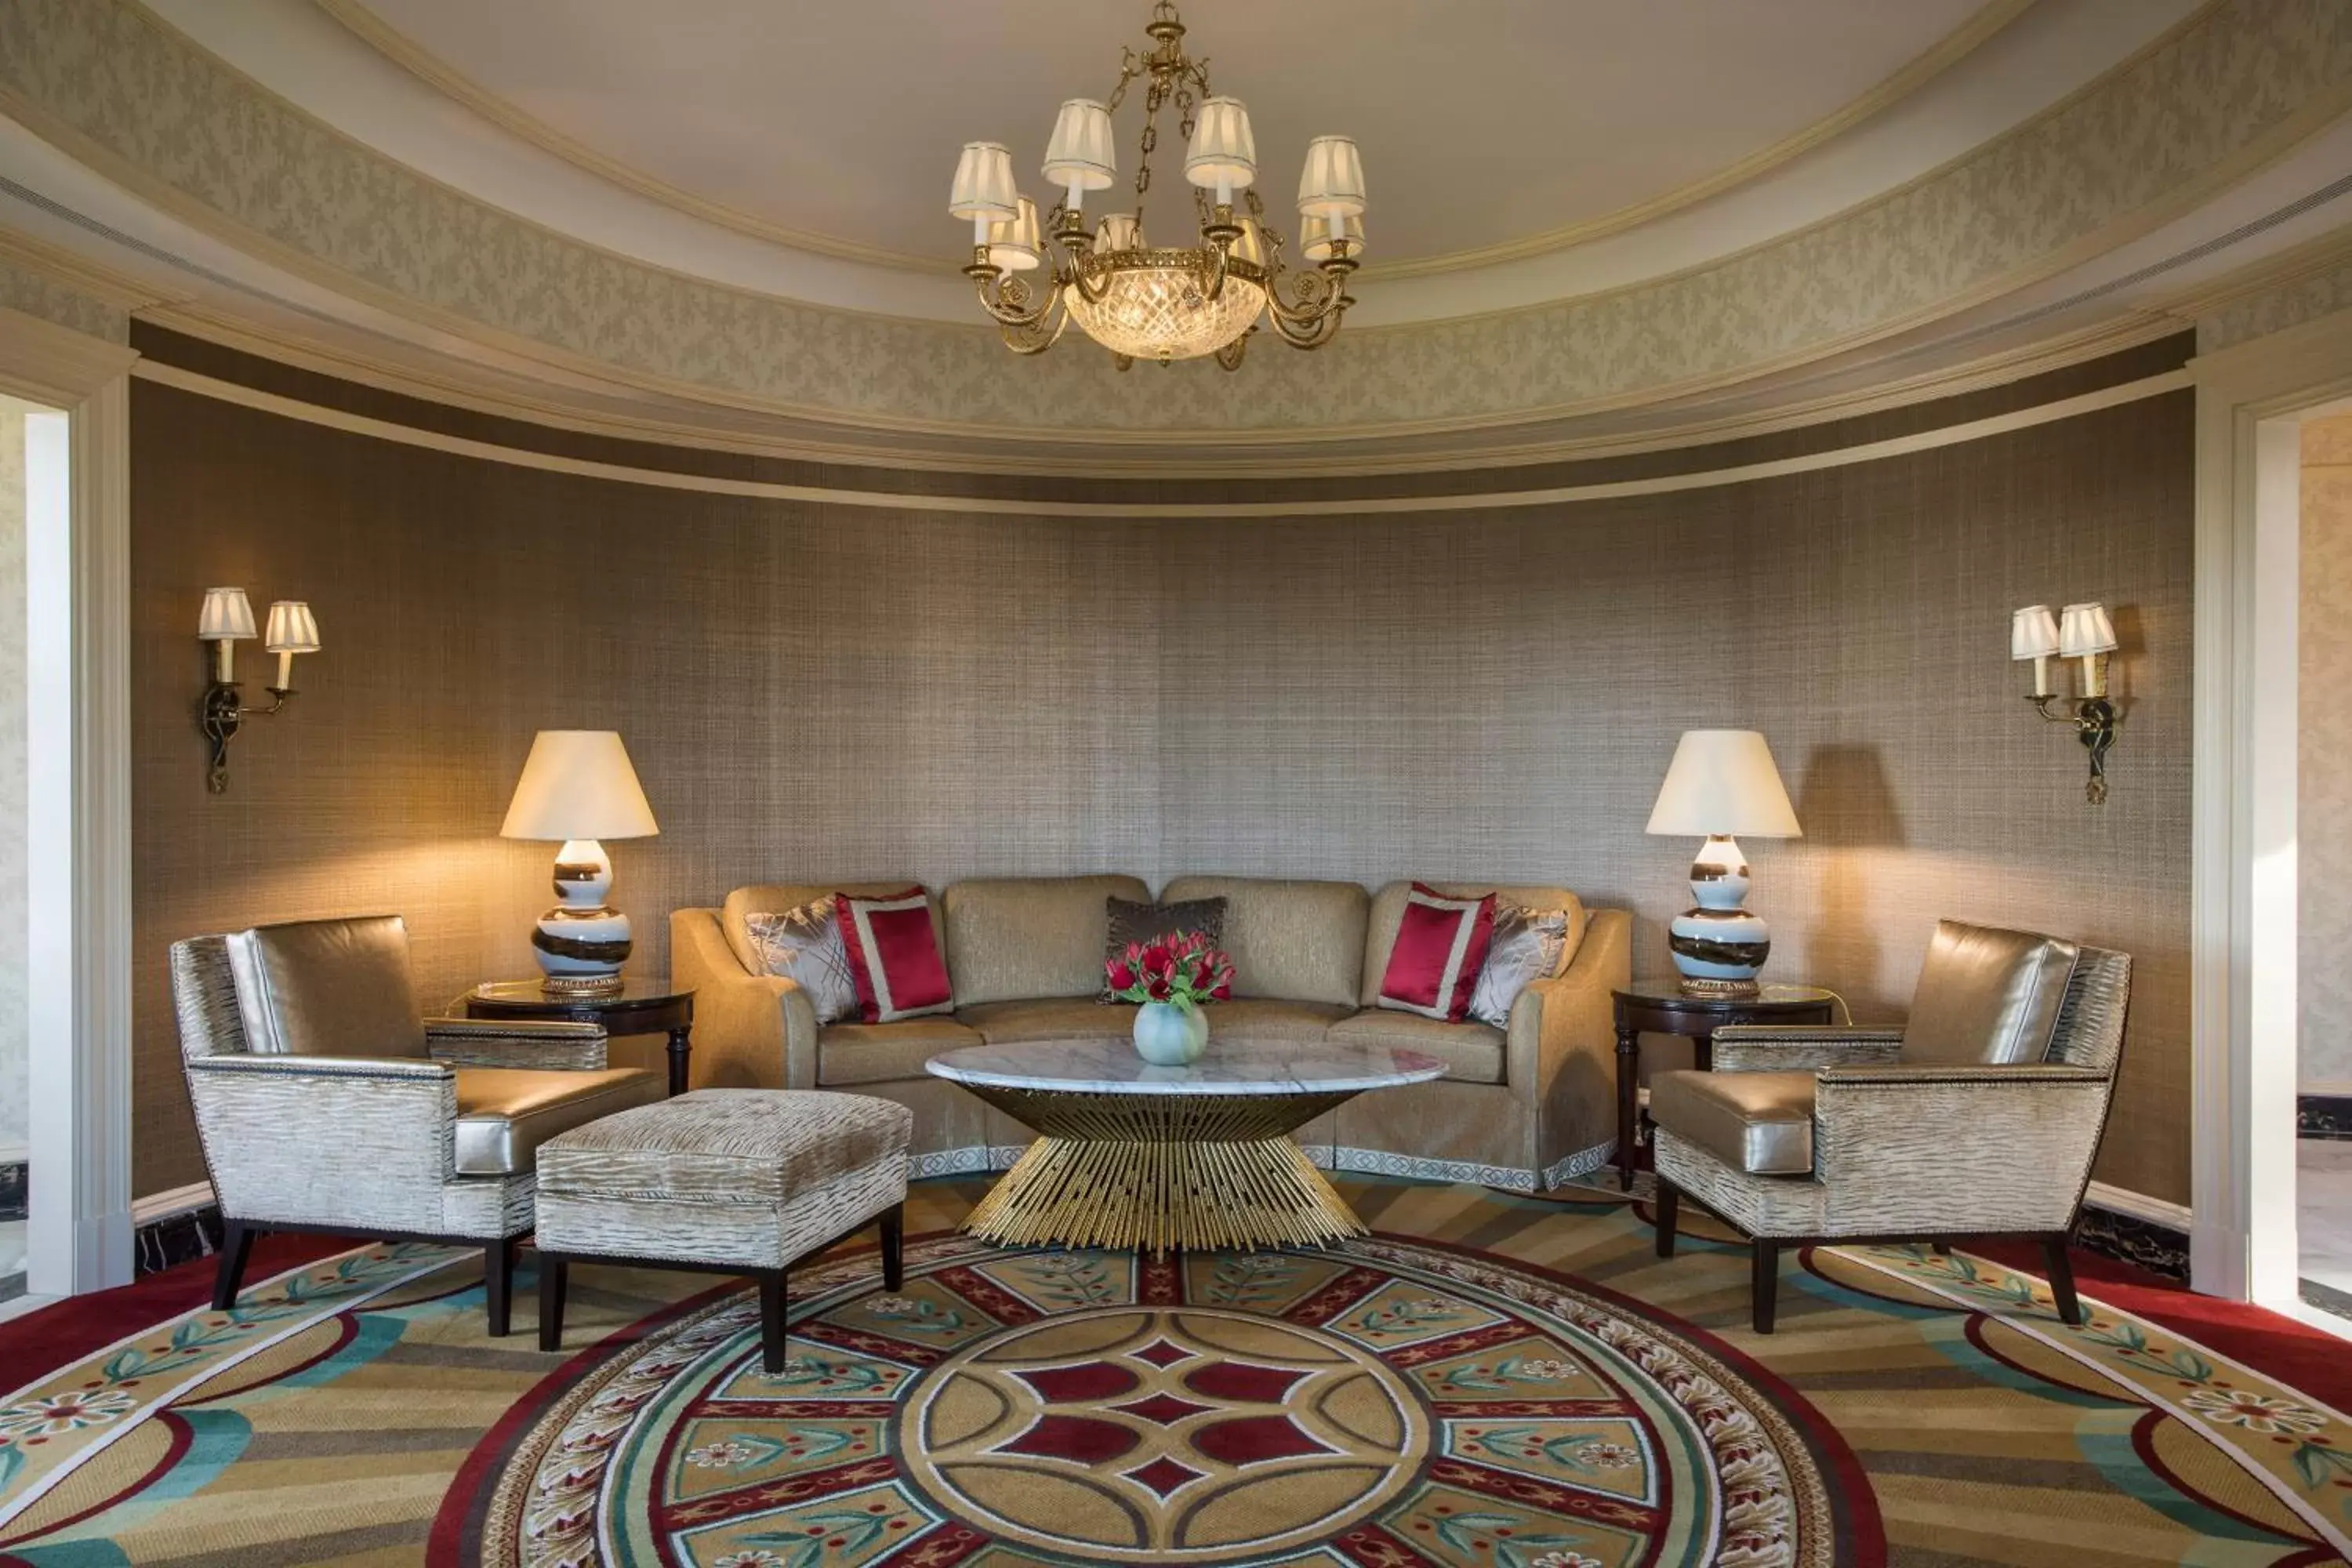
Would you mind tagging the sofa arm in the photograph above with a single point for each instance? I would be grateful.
(331, 1141)
(751, 1031)
(1799, 1048)
(550, 1047)
(1562, 1063)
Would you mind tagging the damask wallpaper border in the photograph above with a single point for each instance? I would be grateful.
(2236, 85)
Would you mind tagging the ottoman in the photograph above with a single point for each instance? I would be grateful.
(727, 1181)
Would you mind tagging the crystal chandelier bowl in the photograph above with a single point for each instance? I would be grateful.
(1157, 304)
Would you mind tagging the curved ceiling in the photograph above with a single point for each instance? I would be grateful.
(1493, 128)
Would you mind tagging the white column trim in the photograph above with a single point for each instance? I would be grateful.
(78, 691)
(2243, 907)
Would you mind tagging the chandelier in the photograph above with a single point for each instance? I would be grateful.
(1158, 302)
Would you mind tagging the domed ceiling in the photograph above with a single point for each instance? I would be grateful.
(1590, 224)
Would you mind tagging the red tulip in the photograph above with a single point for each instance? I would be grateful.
(1157, 960)
(1223, 994)
(1159, 990)
(1121, 976)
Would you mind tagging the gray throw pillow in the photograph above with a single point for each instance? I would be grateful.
(1527, 945)
(804, 944)
(1128, 922)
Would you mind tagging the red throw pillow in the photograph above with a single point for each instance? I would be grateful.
(894, 957)
(1441, 946)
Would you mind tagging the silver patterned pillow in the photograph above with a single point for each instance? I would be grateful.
(804, 944)
(1527, 945)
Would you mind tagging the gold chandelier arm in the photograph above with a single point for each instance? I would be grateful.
(1318, 298)
(1035, 337)
(1008, 300)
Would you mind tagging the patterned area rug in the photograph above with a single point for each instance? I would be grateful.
(1491, 1380)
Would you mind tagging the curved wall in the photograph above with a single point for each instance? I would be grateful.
(855, 688)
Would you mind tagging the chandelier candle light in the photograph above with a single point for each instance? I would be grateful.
(1162, 303)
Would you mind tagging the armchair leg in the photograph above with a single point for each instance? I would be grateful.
(1764, 1281)
(894, 1247)
(236, 1250)
(771, 1321)
(498, 1283)
(2061, 1279)
(551, 1302)
(1669, 1207)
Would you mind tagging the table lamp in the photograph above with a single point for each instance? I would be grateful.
(1721, 782)
(577, 787)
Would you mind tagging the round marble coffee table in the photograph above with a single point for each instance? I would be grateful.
(1136, 1155)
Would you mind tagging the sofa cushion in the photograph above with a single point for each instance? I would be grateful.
(1265, 1020)
(1046, 1018)
(327, 988)
(504, 1114)
(1987, 997)
(1387, 913)
(804, 946)
(1299, 941)
(1440, 948)
(849, 1054)
(1760, 1123)
(1471, 1052)
(1012, 938)
(775, 898)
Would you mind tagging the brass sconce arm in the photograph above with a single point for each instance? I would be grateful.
(2094, 720)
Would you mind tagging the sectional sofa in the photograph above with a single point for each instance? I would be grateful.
(1521, 1107)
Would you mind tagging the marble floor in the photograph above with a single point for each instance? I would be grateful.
(2323, 1221)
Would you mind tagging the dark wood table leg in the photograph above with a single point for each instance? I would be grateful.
(1703, 1050)
(1629, 1089)
(681, 1047)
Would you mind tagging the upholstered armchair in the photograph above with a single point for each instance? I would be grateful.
(1981, 1117)
(325, 1101)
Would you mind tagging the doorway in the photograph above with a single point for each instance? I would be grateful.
(34, 450)
(2324, 865)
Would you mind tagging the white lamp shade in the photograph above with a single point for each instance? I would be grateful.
(1251, 246)
(1317, 244)
(1080, 152)
(2033, 633)
(1723, 781)
(983, 184)
(1332, 183)
(1222, 151)
(227, 613)
(1119, 231)
(1016, 245)
(292, 628)
(578, 783)
(2084, 630)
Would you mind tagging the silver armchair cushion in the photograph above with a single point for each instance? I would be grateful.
(1760, 1123)
(327, 988)
(1987, 997)
(504, 1114)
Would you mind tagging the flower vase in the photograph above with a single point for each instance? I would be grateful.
(1168, 1036)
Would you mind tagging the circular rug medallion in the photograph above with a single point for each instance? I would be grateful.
(1384, 1403)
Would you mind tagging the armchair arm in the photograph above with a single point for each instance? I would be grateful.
(545, 1046)
(1922, 1150)
(333, 1141)
(1560, 1051)
(750, 1030)
(1795, 1047)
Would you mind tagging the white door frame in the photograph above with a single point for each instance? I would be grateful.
(78, 801)
(2243, 922)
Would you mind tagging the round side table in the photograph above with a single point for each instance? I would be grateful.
(645, 1004)
(1664, 1007)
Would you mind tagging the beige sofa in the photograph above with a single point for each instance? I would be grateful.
(1523, 1106)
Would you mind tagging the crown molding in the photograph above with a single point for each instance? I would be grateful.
(1984, 23)
(69, 269)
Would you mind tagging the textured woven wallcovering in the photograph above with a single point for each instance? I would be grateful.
(840, 691)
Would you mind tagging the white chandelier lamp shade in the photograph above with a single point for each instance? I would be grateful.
(1119, 231)
(1331, 185)
(1016, 245)
(1251, 246)
(1080, 156)
(1223, 154)
(1320, 245)
(1164, 313)
(2084, 630)
(983, 190)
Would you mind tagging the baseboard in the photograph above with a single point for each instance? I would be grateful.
(13, 1184)
(2152, 1233)
(2324, 1111)
(164, 1205)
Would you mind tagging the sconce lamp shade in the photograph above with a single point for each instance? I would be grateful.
(227, 613)
(2084, 630)
(1317, 243)
(1722, 782)
(292, 628)
(2033, 633)
(1332, 183)
(578, 783)
(983, 184)
(1016, 245)
(1223, 154)
(1080, 156)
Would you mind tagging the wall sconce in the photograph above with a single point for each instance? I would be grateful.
(226, 619)
(2084, 632)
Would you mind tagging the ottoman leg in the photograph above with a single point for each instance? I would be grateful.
(551, 1302)
(894, 1245)
(498, 1282)
(772, 1320)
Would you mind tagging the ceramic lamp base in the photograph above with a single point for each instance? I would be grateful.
(1719, 946)
(582, 943)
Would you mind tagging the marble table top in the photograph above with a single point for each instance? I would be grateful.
(1111, 1067)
